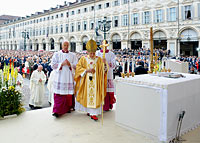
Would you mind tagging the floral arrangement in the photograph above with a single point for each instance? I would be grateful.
(10, 98)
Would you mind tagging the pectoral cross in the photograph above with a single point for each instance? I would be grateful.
(104, 45)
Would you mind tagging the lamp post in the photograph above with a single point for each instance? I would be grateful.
(104, 26)
(178, 39)
(25, 35)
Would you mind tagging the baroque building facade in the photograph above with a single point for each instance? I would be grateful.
(176, 26)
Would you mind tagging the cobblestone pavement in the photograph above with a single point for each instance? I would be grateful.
(26, 95)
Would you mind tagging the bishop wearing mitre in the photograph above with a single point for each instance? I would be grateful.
(91, 81)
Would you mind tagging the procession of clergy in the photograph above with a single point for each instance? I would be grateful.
(89, 80)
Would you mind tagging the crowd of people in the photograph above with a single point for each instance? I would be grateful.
(142, 56)
(26, 61)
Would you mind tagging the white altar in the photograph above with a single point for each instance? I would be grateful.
(150, 105)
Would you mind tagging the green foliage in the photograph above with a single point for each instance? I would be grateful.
(10, 101)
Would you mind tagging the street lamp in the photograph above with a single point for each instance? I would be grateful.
(25, 35)
(178, 35)
(104, 26)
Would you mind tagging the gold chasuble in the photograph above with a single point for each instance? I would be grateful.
(89, 87)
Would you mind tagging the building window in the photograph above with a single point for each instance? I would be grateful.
(188, 12)
(72, 27)
(92, 8)
(44, 19)
(116, 21)
(48, 18)
(124, 1)
(135, 19)
(43, 31)
(146, 17)
(40, 31)
(78, 11)
(125, 20)
(91, 25)
(66, 28)
(85, 25)
(134, 0)
(72, 12)
(51, 29)
(78, 26)
(158, 16)
(85, 9)
(172, 14)
(52, 17)
(47, 31)
(67, 14)
(34, 32)
(56, 29)
(107, 5)
(99, 6)
(56, 15)
(116, 3)
(61, 28)
(61, 15)
(40, 19)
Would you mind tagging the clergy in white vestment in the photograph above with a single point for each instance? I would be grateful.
(50, 88)
(37, 82)
(63, 62)
(111, 60)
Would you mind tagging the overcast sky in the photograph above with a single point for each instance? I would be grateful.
(26, 7)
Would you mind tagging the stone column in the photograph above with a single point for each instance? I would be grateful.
(48, 47)
(110, 45)
(199, 49)
(124, 44)
(57, 46)
(27, 46)
(146, 44)
(78, 47)
(11, 47)
(178, 48)
(17, 46)
(8, 46)
(40, 46)
(129, 44)
(171, 45)
(33, 46)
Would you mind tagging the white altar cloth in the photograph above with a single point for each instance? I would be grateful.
(150, 105)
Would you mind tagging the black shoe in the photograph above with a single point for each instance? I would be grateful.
(38, 107)
(31, 106)
(55, 115)
(69, 111)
